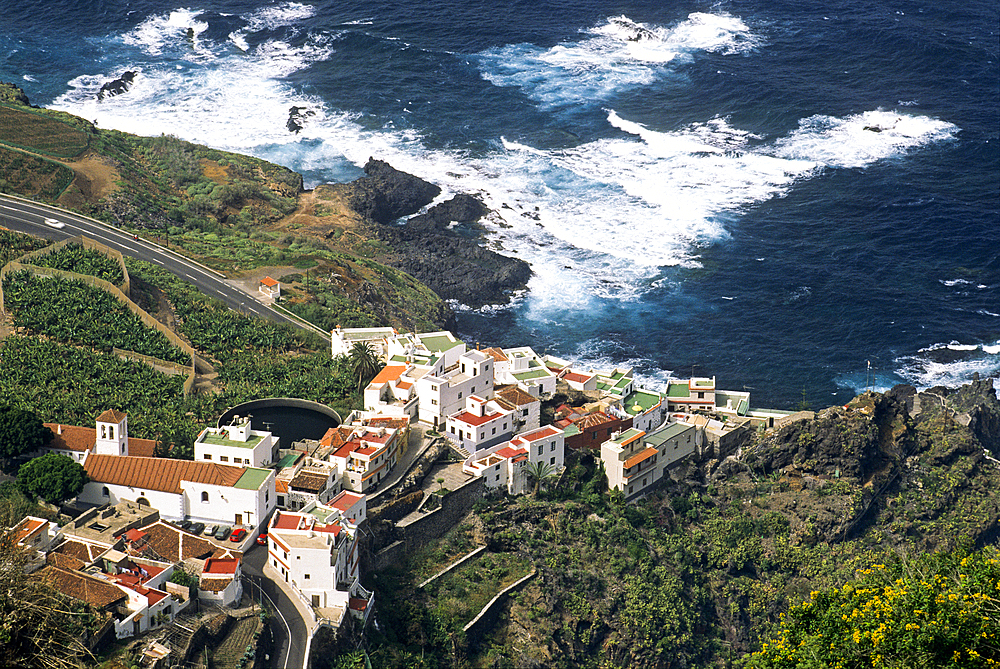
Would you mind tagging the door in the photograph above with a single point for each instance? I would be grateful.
(239, 519)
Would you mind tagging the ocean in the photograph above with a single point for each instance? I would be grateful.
(801, 199)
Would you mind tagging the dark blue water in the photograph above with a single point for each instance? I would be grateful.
(779, 194)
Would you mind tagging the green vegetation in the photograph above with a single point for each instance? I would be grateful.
(40, 131)
(32, 176)
(13, 245)
(940, 610)
(20, 432)
(75, 312)
(46, 377)
(76, 258)
(53, 477)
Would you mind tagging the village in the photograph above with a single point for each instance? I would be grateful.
(156, 537)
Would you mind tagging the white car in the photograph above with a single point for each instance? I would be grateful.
(53, 223)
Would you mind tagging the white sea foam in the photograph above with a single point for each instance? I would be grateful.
(931, 367)
(860, 140)
(615, 55)
(28, 77)
(599, 219)
(277, 16)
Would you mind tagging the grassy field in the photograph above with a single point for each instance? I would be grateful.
(32, 176)
(35, 131)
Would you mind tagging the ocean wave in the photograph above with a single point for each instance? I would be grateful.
(617, 54)
(158, 32)
(859, 140)
(950, 364)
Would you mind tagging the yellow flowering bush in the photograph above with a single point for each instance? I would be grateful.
(942, 610)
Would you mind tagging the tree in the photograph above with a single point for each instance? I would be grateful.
(539, 473)
(364, 362)
(21, 432)
(53, 477)
(39, 627)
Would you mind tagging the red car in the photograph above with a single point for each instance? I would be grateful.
(262, 539)
(238, 534)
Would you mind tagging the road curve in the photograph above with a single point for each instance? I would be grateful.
(291, 634)
(29, 217)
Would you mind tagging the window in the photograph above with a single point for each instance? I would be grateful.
(552, 447)
(453, 429)
(281, 500)
(208, 456)
(204, 497)
(524, 412)
(552, 461)
(463, 368)
(643, 481)
(224, 458)
(701, 396)
(689, 438)
(104, 432)
(111, 431)
(498, 477)
(540, 449)
(434, 402)
(460, 396)
(495, 430)
(473, 389)
(307, 577)
(105, 492)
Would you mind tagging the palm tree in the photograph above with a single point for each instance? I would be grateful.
(538, 473)
(364, 362)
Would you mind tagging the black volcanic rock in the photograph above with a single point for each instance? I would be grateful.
(462, 208)
(116, 86)
(454, 266)
(387, 194)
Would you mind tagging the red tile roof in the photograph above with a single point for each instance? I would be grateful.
(221, 566)
(345, 500)
(541, 433)
(97, 592)
(163, 474)
(389, 373)
(80, 550)
(71, 437)
(577, 378)
(286, 521)
(510, 452)
(515, 395)
(27, 527)
(357, 604)
(496, 353)
(214, 584)
(172, 545)
(111, 416)
(280, 486)
(269, 282)
(473, 419)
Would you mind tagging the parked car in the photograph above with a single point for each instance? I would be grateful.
(183, 524)
(262, 539)
(53, 223)
(222, 533)
(210, 532)
(197, 528)
(238, 534)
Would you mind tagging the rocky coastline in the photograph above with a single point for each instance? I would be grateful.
(451, 261)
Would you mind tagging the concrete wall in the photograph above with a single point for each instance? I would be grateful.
(487, 618)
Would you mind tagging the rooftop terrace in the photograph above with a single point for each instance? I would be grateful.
(224, 440)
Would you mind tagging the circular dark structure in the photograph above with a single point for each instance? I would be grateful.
(287, 418)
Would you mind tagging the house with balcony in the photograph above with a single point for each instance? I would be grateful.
(364, 455)
(482, 424)
(505, 465)
(636, 461)
(443, 391)
(316, 552)
(236, 444)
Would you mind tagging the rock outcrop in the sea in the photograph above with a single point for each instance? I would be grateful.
(116, 86)
(455, 266)
(297, 117)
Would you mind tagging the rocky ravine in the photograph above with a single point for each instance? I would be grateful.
(453, 265)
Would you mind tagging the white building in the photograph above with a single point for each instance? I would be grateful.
(523, 367)
(648, 409)
(443, 393)
(484, 423)
(220, 582)
(505, 465)
(392, 392)
(316, 552)
(181, 489)
(364, 455)
(108, 437)
(526, 407)
(636, 461)
(237, 444)
(343, 339)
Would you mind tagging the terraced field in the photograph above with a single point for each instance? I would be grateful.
(40, 132)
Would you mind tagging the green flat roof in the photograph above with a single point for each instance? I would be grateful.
(626, 435)
(438, 343)
(252, 478)
(570, 430)
(678, 390)
(623, 383)
(617, 375)
(533, 374)
(643, 399)
(224, 440)
(704, 383)
(288, 460)
(669, 432)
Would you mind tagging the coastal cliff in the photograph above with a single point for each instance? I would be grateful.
(453, 264)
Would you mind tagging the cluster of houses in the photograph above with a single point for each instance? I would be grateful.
(151, 517)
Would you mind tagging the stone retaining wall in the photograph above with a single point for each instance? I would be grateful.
(477, 628)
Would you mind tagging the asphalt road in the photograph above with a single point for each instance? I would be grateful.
(290, 631)
(30, 217)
